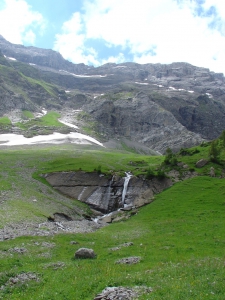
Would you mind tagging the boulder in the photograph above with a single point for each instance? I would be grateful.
(107, 219)
(85, 253)
(201, 163)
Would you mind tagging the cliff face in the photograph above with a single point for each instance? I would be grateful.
(157, 106)
(105, 194)
(141, 120)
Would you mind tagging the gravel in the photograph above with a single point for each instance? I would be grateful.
(47, 228)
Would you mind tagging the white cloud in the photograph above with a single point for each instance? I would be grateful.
(175, 32)
(114, 59)
(18, 22)
(71, 42)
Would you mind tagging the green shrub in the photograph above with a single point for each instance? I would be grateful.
(161, 174)
(214, 151)
(170, 158)
(149, 174)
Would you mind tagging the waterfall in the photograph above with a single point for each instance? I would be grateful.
(125, 185)
(108, 193)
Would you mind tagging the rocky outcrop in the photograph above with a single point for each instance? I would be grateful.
(85, 253)
(105, 193)
(142, 120)
(124, 293)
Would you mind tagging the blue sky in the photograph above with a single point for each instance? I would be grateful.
(99, 31)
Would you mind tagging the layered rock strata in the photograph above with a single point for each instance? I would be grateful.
(105, 193)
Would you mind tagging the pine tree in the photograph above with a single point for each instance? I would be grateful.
(214, 151)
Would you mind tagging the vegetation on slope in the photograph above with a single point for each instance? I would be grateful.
(179, 237)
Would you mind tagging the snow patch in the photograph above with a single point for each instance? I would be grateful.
(44, 111)
(55, 138)
(142, 83)
(209, 95)
(83, 76)
(11, 58)
(119, 67)
(159, 85)
(68, 124)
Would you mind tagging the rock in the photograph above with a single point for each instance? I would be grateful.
(123, 293)
(127, 208)
(55, 266)
(201, 163)
(58, 217)
(19, 279)
(85, 253)
(107, 219)
(122, 245)
(105, 194)
(129, 260)
(121, 218)
(131, 120)
(18, 250)
(212, 172)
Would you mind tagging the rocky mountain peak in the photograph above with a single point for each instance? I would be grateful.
(153, 105)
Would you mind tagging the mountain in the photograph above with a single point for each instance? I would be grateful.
(146, 106)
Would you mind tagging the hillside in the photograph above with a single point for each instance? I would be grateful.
(152, 105)
(178, 238)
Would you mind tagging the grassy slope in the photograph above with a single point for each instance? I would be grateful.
(50, 119)
(19, 164)
(180, 236)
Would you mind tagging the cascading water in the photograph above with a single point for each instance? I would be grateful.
(125, 185)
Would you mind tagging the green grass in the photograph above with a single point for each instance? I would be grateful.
(5, 121)
(21, 181)
(49, 120)
(27, 114)
(180, 238)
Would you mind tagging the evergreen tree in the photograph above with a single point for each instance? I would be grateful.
(214, 151)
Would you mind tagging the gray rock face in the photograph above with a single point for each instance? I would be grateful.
(142, 120)
(85, 253)
(105, 194)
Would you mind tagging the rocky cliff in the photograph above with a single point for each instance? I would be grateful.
(105, 193)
